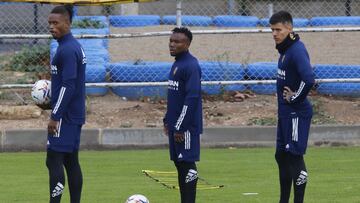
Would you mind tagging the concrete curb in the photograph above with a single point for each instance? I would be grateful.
(335, 135)
(124, 138)
(23, 140)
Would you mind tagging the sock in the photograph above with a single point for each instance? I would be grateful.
(299, 176)
(74, 175)
(54, 163)
(187, 177)
(285, 177)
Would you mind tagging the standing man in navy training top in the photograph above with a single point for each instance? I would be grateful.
(294, 80)
(68, 107)
(183, 119)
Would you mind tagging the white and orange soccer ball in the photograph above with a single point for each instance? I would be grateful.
(41, 92)
(137, 198)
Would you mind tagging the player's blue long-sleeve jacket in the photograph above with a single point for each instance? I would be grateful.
(295, 71)
(68, 81)
(184, 105)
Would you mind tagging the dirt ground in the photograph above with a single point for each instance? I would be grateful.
(111, 111)
(324, 47)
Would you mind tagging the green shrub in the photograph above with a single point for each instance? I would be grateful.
(87, 23)
(30, 59)
(266, 121)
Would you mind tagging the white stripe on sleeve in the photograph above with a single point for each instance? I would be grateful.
(298, 92)
(61, 96)
(181, 117)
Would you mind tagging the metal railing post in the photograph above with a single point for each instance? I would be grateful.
(178, 13)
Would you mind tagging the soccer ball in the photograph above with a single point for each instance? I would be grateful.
(41, 92)
(137, 199)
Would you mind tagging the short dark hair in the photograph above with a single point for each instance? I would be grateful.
(64, 10)
(185, 31)
(281, 17)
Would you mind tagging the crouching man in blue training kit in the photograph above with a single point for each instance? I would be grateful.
(68, 107)
(183, 119)
(294, 80)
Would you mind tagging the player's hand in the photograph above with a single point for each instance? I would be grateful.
(288, 93)
(44, 106)
(179, 137)
(53, 127)
(166, 130)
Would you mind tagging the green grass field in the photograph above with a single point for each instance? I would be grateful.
(112, 176)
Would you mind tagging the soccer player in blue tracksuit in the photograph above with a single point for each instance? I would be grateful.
(183, 119)
(68, 107)
(295, 78)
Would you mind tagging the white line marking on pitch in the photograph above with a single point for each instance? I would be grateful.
(250, 193)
